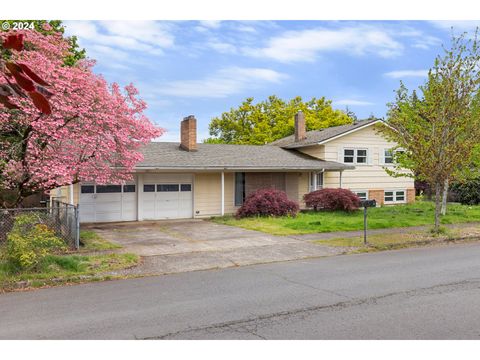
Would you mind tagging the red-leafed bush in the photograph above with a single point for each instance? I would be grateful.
(268, 202)
(332, 199)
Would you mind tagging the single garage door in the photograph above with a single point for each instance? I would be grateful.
(167, 196)
(106, 203)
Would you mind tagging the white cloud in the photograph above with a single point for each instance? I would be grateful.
(399, 74)
(458, 25)
(225, 82)
(353, 102)
(211, 24)
(146, 36)
(222, 47)
(306, 45)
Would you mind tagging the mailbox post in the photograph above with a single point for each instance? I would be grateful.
(366, 204)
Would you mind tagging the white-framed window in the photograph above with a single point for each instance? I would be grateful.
(395, 196)
(388, 156)
(355, 156)
(362, 194)
(319, 178)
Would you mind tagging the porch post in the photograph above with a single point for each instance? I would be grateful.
(223, 193)
(314, 183)
(341, 172)
(70, 193)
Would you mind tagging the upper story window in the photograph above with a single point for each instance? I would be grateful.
(355, 156)
(389, 155)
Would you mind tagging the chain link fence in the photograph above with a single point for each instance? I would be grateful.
(61, 217)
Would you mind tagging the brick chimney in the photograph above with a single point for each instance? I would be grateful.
(188, 133)
(300, 129)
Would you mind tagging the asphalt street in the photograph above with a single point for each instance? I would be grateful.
(423, 293)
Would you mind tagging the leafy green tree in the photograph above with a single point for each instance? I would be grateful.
(272, 119)
(439, 127)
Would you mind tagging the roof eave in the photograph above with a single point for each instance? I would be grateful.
(297, 146)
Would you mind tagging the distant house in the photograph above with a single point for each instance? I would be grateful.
(191, 180)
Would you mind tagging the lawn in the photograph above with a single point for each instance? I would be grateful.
(91, 241)
(419, 213)
(66, 268)
(379, 242)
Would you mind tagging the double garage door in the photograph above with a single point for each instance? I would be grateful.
(159, 196)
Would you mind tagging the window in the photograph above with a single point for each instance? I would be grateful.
(148, 188)
(361, 156)
(363, 195)
(387, 156)
(400, 196)
(186, 187)
(355, 156)
(394, 196)
(389, 196)
(319, 181)
(167, 187)
(128, 188)
(107, 189)
(239, 188)
(88, 189)
(348, 156)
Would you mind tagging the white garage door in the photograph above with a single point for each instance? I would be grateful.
(167, 196)
(104, 203)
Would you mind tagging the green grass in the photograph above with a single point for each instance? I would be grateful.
(91, 241)
(61, 269)
(419, 213)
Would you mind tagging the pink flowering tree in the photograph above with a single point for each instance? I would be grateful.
(87, 130)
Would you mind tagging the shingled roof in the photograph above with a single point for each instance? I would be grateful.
(316, 136)
(169, 156)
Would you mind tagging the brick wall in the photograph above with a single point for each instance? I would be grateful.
(377, 195)
(410, 195)
(255, 181)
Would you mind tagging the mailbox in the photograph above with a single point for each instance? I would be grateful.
(368, 203)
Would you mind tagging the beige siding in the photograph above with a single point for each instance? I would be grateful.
(207, 194)
(303, 187)
(230, 207)
(63, 193)
(364, 177)
(315, 151)
(291, 185)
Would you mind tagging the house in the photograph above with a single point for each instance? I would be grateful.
(192, 180)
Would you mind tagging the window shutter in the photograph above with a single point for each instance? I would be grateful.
(370, 156)
(382, 156)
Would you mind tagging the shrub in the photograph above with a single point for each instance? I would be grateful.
(467, 193)
(332, 199)
(268, 202)
(29, 242)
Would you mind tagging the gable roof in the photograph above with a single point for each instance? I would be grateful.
(321, 136)
(168, 155)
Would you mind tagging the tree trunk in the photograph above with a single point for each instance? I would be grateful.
(438, 205)
(444, 197)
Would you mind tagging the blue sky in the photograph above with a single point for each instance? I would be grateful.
(206, 67)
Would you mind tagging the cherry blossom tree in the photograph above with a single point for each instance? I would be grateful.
(87, 130)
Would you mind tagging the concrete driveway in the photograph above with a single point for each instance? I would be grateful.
(184, 245)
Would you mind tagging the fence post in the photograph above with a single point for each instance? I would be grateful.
(77, 224)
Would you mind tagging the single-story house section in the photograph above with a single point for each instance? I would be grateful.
(191, 180)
